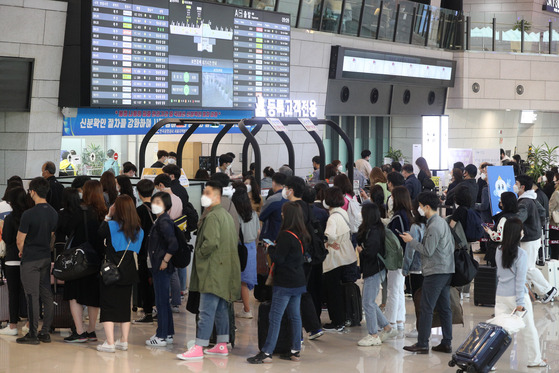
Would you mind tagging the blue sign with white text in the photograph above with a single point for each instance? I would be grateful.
(102, 122)
(500, 179)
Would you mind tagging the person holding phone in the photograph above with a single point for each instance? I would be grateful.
(512, 294)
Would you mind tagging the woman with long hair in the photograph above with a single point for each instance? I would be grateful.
(370, 238)
(78, 222)
(377, 177)
(457, 178)
(289, 283)
(253, 190)
(424, 171)
(377, 197)
(19, 202)
(124, 187)
(509, 209)
(400, 222)
(512, 294)
(108, 181)
(123, 237)
(342, 181)
(250, 229)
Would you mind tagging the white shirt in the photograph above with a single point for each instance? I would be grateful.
(337, 231)
(5, 209)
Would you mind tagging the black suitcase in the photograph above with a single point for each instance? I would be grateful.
(482, 349)
(353, 304)
(62, 318)
(485, 286)
(283, 345)
(262, 292)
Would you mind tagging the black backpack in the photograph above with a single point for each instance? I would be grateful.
(181, 259)
(428, 185)
(316, 248)
(191, 217)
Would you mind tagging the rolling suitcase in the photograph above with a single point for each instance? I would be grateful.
(4, 302)
(550, 271)
(353, 304)
(482, 349)
(283, 344)
(485, 286)
(62, 318)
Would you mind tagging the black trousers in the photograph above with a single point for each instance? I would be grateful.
(416, 282)
(334, 294)
(145, 287)
(314, 287)
(309, 317)
(16, 296)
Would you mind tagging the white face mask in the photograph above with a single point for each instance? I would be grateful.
(483, 176)
(544, 179)
(421, 211)
(325, 205)
(80, 194)
(284, 193)
(340, 168)
(118, 188)
(515, 189)
(229, 167)
(228, 191)
(157, 209)
(205, 201)
(249, 188)
(171, 161)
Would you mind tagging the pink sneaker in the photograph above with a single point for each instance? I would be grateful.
(194, 353)
(219, 349)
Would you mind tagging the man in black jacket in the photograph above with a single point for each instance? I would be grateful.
(412, 183)
(470, 172)
(174, 173)
(54, 196)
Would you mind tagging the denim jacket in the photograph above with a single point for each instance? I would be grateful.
(412, 259)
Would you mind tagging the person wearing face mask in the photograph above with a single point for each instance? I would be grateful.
(253, 193)
(162, 157)
(509, 209)
(79, 182)
(529, 214)
(338, 165)
(437, 265)
(315, 176)
(54, 197)
(174, 173)
(482, 180)
(35, 232)
(128, 169)
(363, 164)
(227, 193)
(548, 181)
(172, 158)
(270, 216)
(216, 274)
(225, 162)
(162, 245)
(162, 183)
(470, 172)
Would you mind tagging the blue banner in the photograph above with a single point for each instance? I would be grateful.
(500, 179)
(102, 122)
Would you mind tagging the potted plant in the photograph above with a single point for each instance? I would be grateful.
(515, 44)
(393, 155)
(93, 157)
(540, 159)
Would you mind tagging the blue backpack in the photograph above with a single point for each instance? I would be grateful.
(473, 229)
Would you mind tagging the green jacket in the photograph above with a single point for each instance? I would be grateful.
(216, 268)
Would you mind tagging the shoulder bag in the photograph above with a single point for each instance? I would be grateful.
(110, 272)
(270, 279)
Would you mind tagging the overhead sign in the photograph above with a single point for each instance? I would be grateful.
(100, 122)
(500, 179)
(285, 108)
(551, 6)
(308, 124)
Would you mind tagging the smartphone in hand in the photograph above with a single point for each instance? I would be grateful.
(269, 242)
(397, 231)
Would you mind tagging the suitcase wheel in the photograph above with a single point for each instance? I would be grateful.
(471, 369)
(459, 371)
(452, 363)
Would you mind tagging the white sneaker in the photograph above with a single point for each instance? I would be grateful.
(122, 346)
(467, 295)
(156, 342)
(175, 309)
(169, 340)
(8, 331)
(412, 335)
(384, 335)
(244, 315)
(105, 347)
(369, 340)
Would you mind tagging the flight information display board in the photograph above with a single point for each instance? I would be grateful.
(187, 54)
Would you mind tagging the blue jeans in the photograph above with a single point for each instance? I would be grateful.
(175, 289)
(212, 308)
(373, 315)
(285, 299)
(182, 278)
(435, 293)
(165, 326)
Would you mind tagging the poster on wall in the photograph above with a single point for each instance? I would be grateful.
(500, 179)
(459, 155)
(492, 156)
(102, 122)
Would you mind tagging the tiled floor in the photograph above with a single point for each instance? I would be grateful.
(334, 352)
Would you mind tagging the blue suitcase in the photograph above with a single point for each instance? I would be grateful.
(481, 350)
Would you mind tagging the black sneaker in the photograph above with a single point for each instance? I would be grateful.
(331, 327)
(550, 295)
(91, 337)
(261, 358)
(76, 338)
(293, 356)
(44, 337)
(146, 319)
(28, 340)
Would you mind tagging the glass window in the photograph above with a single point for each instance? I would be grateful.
(387, 20)
(310, 14)
(405, 18)
(291, 7)
(350, 19)
(370, 18)
(238, 2)
(331, 15)
(264, 4)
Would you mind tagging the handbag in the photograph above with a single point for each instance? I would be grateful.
(110, 272)
(243, 251)
(76, 262)
(555, 215)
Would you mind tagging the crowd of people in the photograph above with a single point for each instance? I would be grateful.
(305, 242)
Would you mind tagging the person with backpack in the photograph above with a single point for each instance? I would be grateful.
(512, 294)
(437, 265)
(531, 242)
(424, 175)
(341, 254)
(162, 245)
(351, 205)
(371, 239)
(400, 222)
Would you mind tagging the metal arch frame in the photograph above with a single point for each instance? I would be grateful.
(215, 144)
(254, 131)
(194, 125)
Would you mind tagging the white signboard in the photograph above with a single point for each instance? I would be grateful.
(277, 124)
(308, 124)
(492, 156)
(285, 108)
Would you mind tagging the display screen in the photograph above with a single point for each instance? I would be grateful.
(179, 53)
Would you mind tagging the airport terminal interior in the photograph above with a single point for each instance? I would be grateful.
(317, 91)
